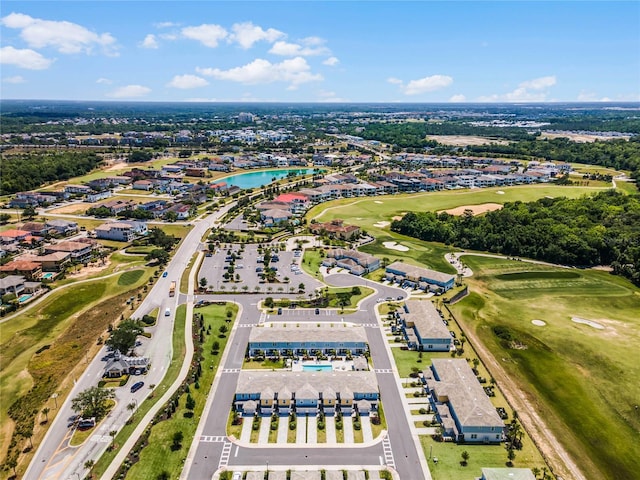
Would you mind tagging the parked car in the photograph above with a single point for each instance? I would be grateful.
(279, 311)
(317, 311)
(136, 386)
(164, 275)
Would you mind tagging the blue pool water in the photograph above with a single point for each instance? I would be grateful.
(24, 298)
(317, 368)
(263, 177)
(47, 276)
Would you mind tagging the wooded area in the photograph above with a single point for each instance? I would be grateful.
(600, 230)
(27, 172)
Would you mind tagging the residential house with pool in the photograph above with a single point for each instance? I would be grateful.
(461, 404)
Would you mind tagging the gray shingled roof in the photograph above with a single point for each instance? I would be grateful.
(419, 272)
(426, 319)
(304, 332)
(466, 395)
(344, 383)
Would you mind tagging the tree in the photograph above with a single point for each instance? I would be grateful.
(159, 255)
(46, 411)
(123, 338)
(89, 464)
(535, 471)
(92, 402)
(223, 329)
(131, 407)
(177, 440)
(113, 434)
(301, 287)
(203, 282)
(465, 458)
(511, 455)
(29, 212)
(229, 314)
(190, 403)
(164, 475)
(4, 218)
(268, 302)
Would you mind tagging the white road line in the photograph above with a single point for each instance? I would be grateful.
(224, 456)
(388, 452)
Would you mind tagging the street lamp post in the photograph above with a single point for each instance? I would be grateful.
(55, 401)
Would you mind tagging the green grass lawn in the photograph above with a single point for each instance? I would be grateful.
(264, 365)
(628, 187)
(449, 458)
(571, 369)
(158, 455)
(422, 254)
(311, 261)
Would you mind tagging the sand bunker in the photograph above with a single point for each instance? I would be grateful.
(500, 192)
(397, 217)
(382, 224)
(476, 209)
(539, 323)
(378, 202)
(395, 246)
(591, 323)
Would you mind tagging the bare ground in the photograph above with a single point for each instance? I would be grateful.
(476, 209)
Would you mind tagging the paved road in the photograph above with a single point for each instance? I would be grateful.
(54, 459)
(212, 449)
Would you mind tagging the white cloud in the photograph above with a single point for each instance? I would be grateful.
(457, 98)
(15, 79)
(207, 34)
(66, 37)
(528, 91)
(331, 61)
(165, 24)
(130, 91)
(585, 96)
(149, 41)
(24, 58)
(287, 49)
(246, 34)
(187, 81)
(104, 81)
(294, 71)
(422, 85)
(330, 97)
(539, 83)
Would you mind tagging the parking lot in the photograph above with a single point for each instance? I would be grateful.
(248, 269)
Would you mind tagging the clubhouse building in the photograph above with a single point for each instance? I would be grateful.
(358, 263)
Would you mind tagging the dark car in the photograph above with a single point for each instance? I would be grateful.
(136, 386)
(317, 311)
(279, 311)
(164, 275)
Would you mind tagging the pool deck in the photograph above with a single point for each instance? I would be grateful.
(322, 366)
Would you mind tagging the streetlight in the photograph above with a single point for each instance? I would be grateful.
(55, 396)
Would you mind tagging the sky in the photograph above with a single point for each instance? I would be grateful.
(330, 51)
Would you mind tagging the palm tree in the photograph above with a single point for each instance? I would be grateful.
(132, 407)
(46, 411)
(113, 434)
(89, 464)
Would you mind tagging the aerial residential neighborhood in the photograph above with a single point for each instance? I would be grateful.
(319, 241)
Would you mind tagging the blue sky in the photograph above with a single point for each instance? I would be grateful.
(321, 51)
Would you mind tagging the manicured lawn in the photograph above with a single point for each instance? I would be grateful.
(571, 369)
(358, 436)
(233, 430)
(264, 365)
(158, 455)
(376, 430)
(628, 187)
(422, 254)
(311, 261)
(80, 436)
(449, 458)
(131, 277)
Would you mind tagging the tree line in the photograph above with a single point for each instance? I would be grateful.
(26, 172)
(603, 229)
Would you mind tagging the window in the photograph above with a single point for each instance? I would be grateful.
(473, 435)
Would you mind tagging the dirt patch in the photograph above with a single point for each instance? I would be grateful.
(580, 138)
(117, 166)
(89, 270)
(476, 209)
(464, 140)
(76, 208)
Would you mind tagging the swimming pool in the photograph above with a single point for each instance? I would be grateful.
(322, 367)
(24, 298)
(47, 276)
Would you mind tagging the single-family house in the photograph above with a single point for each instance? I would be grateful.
(336, 229)
(63, 227)
(12, 284)
(79, 252)
(275, 216)
(121, 231)
(25, 268)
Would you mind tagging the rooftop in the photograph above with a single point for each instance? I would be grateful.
(258, 381)
(307, 332)
(420, 272)
(425, 317)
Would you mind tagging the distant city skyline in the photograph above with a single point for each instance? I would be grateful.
(331, 51)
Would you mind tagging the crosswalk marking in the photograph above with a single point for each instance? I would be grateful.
(224, 456)
(247, 325)
(370, 325)
(212, 438)
(263, 316)
(383, 370)
(388, 452)
(231, 370)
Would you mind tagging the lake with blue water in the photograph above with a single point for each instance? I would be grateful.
(262, 177)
